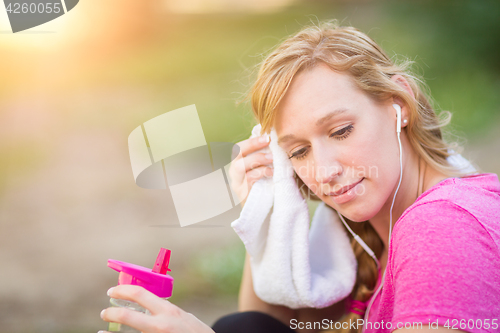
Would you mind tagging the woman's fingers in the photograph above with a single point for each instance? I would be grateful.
(165, 317)
(249, 164)
(141, 296)
(173, 320)
(258, 173)
(135, 319)
(258, 159)
(249, 146)
(241, 166)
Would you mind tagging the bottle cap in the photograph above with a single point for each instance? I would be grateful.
(155, 280)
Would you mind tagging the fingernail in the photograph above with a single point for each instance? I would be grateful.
(102, 313)
(264, 138)
(110, 290)
(269, 156)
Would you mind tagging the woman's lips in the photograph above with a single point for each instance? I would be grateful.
(346, 193)
(345, 188)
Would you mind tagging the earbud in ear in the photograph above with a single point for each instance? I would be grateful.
(398, 115)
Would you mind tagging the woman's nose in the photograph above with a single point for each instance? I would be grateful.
(325, 172)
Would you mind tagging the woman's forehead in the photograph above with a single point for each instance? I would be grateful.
(315, 93)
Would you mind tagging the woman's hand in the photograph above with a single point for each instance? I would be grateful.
(165, 317)
(250, 164)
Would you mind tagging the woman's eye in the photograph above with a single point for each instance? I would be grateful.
(339, 135)
(299, 154)
(342, 133)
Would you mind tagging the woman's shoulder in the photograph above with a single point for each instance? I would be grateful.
(464, 190)
(446, 248)
(455, 205)
(478, 195)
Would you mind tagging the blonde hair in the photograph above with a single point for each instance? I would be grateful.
(347, 50)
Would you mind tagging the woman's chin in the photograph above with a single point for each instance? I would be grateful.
(354, 212)
(354, 217)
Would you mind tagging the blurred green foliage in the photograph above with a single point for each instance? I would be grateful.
(209, 59)
(211, 273)
(457, 43)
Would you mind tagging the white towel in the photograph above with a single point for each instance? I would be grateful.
(291, 264)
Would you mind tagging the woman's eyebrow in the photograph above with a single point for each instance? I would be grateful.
(336, 112)
(285, 138)
(330, 115)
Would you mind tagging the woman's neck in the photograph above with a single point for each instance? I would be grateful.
(418, 177)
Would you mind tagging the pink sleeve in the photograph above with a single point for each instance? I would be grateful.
(444, 266)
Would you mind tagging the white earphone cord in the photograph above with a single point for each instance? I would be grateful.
(363, 244)
(390, 230)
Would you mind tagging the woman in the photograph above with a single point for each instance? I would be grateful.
(333, 97)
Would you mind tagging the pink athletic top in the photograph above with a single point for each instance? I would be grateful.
(443, 265)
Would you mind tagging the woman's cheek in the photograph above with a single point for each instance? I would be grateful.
(312, 186)
(309, 182)
(305, 171)
(366, 155)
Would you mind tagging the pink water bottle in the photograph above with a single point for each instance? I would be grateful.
(155, 280)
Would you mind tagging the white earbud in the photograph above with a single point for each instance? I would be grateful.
(398, 115)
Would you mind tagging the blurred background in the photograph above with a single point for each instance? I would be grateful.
(73, 89)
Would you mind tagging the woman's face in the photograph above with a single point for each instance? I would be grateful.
(342, 144)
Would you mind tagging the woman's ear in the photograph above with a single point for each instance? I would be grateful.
(401, 81)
